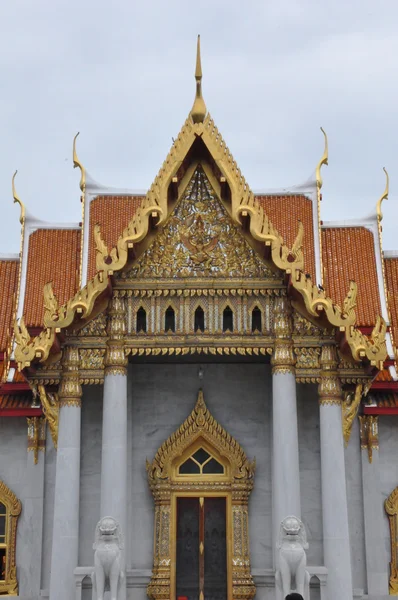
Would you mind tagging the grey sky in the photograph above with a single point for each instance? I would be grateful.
(121, 73)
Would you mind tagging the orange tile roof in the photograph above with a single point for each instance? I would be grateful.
(391, 267)
(348, 253)
(386, 400)
(113, 214)
(54, 255)
(8, 288)
(16, 401)
(383, 375)
(284, 213)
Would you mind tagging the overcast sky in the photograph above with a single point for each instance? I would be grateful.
(122, 73)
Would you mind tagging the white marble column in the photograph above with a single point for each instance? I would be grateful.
(286, 470)
(114, 421)
(377, 567)
(64, 557)
(336, 539)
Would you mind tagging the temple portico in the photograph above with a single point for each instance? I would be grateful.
(201, 379)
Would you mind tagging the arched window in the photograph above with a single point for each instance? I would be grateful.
(141, 320)
(227, 319)
(10, 508)
(199, 324)
(201, 463)
(169, 320)
(256, 320)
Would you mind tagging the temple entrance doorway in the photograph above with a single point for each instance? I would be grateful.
(201, 548)
(201, 480)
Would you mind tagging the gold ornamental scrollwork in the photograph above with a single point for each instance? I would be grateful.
(236, 482)
(9, 585)
(391, 508)
(350, 407)
(50, 405)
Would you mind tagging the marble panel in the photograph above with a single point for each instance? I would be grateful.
(239, 398)
(310, 470)
(90, 471)
(388, 442)
(49, 488)
(356, 523)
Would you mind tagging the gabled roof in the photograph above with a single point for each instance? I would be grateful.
(199, 133)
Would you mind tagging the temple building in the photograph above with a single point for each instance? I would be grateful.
(199, 362)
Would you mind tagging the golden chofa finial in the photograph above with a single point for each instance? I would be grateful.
(323, 161)
(77, 163)
(18, 200)
(199, 110)
(384, 196)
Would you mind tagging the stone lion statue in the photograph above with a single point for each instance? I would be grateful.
(108, 559)
(292, 559)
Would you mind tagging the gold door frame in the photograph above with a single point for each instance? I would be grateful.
(200, 429)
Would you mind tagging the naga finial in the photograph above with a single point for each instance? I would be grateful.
(77, 163)
(384, 196)
(199, 110)
(18, 200)
(324, 161)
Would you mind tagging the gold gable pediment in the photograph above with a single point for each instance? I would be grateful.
(201, 424)
(199, 240)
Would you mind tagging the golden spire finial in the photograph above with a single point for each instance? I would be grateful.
(77, 163)
(323, 161)
(18, 200)
(384, 196)
(199, 110)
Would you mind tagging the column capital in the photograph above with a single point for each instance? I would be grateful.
(329, 389)
(283, 359)
(115, 358)
(70, 390)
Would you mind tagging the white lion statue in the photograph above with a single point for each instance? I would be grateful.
(292, 559)
(108, 559)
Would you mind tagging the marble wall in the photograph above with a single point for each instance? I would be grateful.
(310, 469)
(388, 453)
(238, 396)
(356, 523)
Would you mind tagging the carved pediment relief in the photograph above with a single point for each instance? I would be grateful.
(199, 239)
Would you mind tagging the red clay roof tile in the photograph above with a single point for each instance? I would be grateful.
(113, 214)
(284, 213)
(54, 255)
(349, 253)
(391, 268)
(8, 288)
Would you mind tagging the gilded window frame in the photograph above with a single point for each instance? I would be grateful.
(9, 585)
